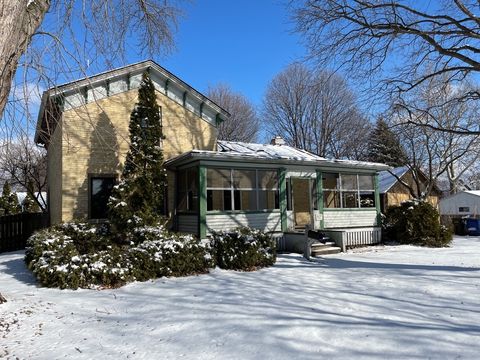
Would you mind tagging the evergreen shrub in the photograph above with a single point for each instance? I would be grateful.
(81, 255)
(416, 223)
(243, 249)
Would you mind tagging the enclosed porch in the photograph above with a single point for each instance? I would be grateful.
(218, 191)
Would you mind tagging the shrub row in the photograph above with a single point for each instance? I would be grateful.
(81, 255)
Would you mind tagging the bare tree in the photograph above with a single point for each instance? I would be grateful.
(25, 166)
(441, 154)
(402, 43)
(315, 111)
(243, 124)
(58, 39)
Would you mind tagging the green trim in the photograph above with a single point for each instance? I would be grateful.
(349, 209)
(282, 184)
(377, 200)
(242, 212)
(320, 198)
(202, 202)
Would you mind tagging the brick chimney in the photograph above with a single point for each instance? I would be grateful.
(277, 140)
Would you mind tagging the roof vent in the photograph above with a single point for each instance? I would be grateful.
(277, 140)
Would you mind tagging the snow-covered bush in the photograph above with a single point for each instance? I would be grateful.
(417, 223)
(243, 249)
(76, 255)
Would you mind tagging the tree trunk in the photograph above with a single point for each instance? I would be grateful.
(20, 19)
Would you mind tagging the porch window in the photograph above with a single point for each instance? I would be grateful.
(348, 191)
(187, 187)
(241, 189)
(100, 190)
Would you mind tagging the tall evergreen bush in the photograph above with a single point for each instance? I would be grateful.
(138, 199)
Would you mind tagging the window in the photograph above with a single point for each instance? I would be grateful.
(348, 191)
(187, 188)
(100, 190)
(237, 189)
(463, 209)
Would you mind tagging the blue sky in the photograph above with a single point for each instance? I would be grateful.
(241, 43)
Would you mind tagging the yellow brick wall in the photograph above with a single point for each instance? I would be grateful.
(95, 141)
(54, 174)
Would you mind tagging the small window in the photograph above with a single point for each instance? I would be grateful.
(463, 209)
(100, 190)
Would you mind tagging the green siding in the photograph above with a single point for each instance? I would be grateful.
(202, 201)
(282, 183)
(320, 197)
(377, 201)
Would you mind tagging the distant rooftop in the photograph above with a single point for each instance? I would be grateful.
(386, 180)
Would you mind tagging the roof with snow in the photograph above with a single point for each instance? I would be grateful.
(271, 154)
(386, 179)
(267, 151)
(473, 192)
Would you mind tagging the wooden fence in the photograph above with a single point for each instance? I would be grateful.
(16, 229)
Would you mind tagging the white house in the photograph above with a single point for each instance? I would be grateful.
(465, 203)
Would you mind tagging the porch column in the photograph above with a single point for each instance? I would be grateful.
(320, 197)
(282, 184)
(202, 202)
(377, 201)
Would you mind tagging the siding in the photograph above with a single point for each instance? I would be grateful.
(346, 219)
(450, 205)
(269, 221)
(188, 223)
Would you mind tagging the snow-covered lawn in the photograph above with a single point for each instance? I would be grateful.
(381, 303)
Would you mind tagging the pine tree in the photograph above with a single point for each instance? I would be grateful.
(29, 203)
(138, 199)
(9, 201)
(384, 147)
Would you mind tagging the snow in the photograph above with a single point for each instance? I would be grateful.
(399, 302)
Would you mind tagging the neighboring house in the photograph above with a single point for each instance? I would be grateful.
(211, 185)
(394, 192)
(462, 204)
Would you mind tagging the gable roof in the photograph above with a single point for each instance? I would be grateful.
(95, 87)
(268, 154)
(386, 180)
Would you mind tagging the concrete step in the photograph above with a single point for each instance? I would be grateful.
(321, 245)
(327, 250)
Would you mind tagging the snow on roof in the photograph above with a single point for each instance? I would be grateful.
(267, 151)
(240, 151)
(473, 192)
(386, 180)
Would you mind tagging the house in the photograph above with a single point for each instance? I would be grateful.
(212, 184)
(461, 204)
(394, 192)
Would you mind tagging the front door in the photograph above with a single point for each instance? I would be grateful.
(301, 202)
